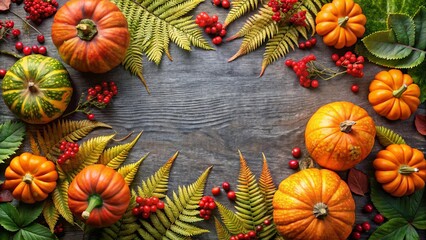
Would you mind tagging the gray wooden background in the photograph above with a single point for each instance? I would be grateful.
(208, 109)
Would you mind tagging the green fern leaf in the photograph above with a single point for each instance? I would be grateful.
(233, 223)
(387, 136)
(88, 154)
(113, 157)
(50, 214)
(238, 9)
(125, 228)
(129, 171)
(156, 185)
(222, 232)
(60, 200)
(180, 225)
(267, 186)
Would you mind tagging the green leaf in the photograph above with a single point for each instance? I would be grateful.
(419, 78)
(395, 229)
(34, 232)
(4, 234)
(403, 27)
(28, 213)
(419, 221)
(9, 216)
(382, 44)
(375, 11)
(11, 137)
(387, 136)
(393, 207)
(420, 27)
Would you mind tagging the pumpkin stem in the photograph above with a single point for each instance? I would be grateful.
(346, 126)
(86, 29)
(398, 92)
(342, 21)
(95, 201)
(32, 87)
(404, 169)
(27, 178)
(320, 210)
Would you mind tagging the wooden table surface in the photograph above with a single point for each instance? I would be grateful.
(208, 109)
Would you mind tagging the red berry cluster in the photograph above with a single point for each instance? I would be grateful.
(296, 152)
(69, 150)
(308, 44)
(366, 226)
(7, 29)
(222, 3)
(100, 96)
(146, 206)
(279, 6)
(301, 70)
(353, 63)
(59, 230)
(251, 234)
(207, 205)
(28, 50)
(39, 10)
(211, 26)
(299, 18)
(227, 188)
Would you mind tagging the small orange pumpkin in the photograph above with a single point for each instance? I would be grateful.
(400, 169)
(394, 95)
(314, 204)
(339, 135)
(341, 23)
(30, 178)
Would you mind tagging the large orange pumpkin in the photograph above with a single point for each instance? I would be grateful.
(339, 135)
(91, 35)
(313, 204)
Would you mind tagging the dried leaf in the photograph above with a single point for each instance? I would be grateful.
(5, 196)
(306, 163)
(420, 123)
(358, 181)
(4, 5)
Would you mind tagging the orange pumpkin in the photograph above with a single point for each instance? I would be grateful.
(314, 204)
(341, 23)
(91, 35)
(400, 169)
(30, 178)
(339, 135)
(394, 95)
(99, 194)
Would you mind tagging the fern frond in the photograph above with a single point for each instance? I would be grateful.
(133, 60)
(221, 231)
(179, 222)
(88, 154)
(233, 223)
(267, 186)
(238, 9)
(60, 200)
(129, 171)
(50, 214)
(33, 144)
(125, 228)
(156, 185)
(113, 157)
(387, 136)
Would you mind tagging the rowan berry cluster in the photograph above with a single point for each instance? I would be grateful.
(38, 10)
(222, 3)
(59, 230)
(279, 6)
(68, 150)
(211, 26)
(301, 68)
(299, 18)
(207, 205)
(146, 206)
(354, 64)
(28, 50)
(366, 226)
(251, 234)
(308, 44)
(7, 29)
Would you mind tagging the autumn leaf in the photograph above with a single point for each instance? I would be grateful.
(358, 181)
(420, 123)
(4, 5)
(5, 196)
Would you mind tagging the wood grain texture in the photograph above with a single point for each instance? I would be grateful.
(208, 109)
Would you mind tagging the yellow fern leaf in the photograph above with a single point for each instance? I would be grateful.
(129, 171)
(222, 232)
(50, 214)
(60, 200)
(33, 144)
(238, 9)
(267, 186)
(113, 157)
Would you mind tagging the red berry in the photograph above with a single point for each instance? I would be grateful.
(40, 38)
(217, 40)
(259, 228)
(216, 2)
(2, 73)
(222, 33)
(267, 222)
(231, 195)
(240, 236)
(212, 205)
(368, 208)
(34, 49)
(16, 32)
(293, 164)
(145, 215)
(313, 41)
(226, 4)
(160, 205)
(356, 235)
(27, 51)
(215, 191)
(296, 152)
(252, 234)
(135, 211)
(378, 218)
(215, 18)
(91, 116)
(42, 50)
(155, 200)
(314, 83)
(308, 44)
(366, 226)
(153, 208)
(19, 46)
(302, 46)
(335, 57)
(355, 89)
(226, 186)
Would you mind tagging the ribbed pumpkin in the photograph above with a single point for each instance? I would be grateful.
(313, 204)
(91, 35)
(400, 169)
(339, 135)
(99, 195)
(30, 178)
(37, 89)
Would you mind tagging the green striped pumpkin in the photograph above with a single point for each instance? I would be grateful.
(37, 89)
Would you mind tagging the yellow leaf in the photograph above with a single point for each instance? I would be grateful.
(129, 171)
(113, 157)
